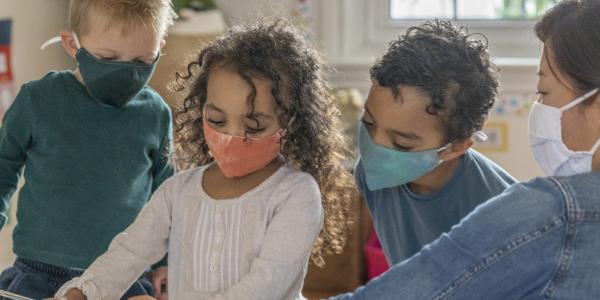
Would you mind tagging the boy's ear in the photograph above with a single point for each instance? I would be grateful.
(163, 42)
(68, 42)
(456, 149)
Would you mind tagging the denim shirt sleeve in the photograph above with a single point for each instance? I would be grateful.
(505, 249)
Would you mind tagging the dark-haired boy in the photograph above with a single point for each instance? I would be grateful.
(430, 95)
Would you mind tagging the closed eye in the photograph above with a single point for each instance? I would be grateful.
(143, 61)
(368, 124)
(250, 130)
(215, 123)
(108, 58)
(401, 148)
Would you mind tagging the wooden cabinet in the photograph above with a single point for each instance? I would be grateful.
(346, 271)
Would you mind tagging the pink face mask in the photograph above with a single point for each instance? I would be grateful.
(240, 156)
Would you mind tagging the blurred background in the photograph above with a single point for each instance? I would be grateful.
(351, 34)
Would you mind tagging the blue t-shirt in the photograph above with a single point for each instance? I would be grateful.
(405, 221)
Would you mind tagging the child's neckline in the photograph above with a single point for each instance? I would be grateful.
(228, 201)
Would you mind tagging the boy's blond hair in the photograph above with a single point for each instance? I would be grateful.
(153, 16)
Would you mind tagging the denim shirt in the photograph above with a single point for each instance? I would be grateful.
(536, 240)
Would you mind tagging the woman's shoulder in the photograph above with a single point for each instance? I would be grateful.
(534, 202)
(521, 211)
(540, 192)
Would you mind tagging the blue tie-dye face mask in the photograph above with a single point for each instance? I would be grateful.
(385, 167)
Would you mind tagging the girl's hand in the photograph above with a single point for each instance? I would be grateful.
(159, 281)
(72, 294)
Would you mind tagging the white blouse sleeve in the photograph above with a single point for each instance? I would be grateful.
(144, 243)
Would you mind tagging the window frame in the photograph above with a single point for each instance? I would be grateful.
(483, 23)
(357, 31)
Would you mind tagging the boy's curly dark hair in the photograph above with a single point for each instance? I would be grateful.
(277, 51)
(451, 67)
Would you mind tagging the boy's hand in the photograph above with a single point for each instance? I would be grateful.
(159, 281)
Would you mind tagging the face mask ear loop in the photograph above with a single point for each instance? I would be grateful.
(596, 146)
(578, 100)
(442, 149)
(49, 42)
(76, 41)
(479, 136)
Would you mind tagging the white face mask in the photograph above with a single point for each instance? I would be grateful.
(549, 150)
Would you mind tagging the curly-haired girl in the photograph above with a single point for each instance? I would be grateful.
(260, 136)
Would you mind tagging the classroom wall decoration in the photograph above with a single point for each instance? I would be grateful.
(7, 88)
(497, 137)
(302, 16)
(513, 105)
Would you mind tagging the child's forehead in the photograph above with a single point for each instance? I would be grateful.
(407, 110)
(230, 92)
(106, 25)
(120, 39)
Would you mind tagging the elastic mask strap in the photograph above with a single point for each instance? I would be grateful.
(76, 41)
(596, 146)
(479, 136)
(578, 100)
(440, 161)
(57, 39)
(444, 148)
(51, 41)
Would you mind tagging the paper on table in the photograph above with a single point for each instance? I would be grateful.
(12, 296)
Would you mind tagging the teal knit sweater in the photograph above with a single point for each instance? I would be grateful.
(89, 167)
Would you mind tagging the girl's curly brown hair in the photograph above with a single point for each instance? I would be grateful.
(315, 144)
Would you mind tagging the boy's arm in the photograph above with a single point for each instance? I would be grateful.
(130, 253)
(15, 138)
(162, 168)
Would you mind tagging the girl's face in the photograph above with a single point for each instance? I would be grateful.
(227, 109)
(580, 124)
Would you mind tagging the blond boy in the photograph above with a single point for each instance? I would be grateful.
(92, 143)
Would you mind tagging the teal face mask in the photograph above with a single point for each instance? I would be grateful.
(111, 82)
(385, 167)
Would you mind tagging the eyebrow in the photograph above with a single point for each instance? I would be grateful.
(262, 115)
(407, 135)
(254, 115)
(214, 107)
(113, 52)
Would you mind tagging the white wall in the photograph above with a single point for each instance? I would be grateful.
(34, 21)
(236, 10)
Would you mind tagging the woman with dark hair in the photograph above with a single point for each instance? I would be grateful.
(538, 239)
